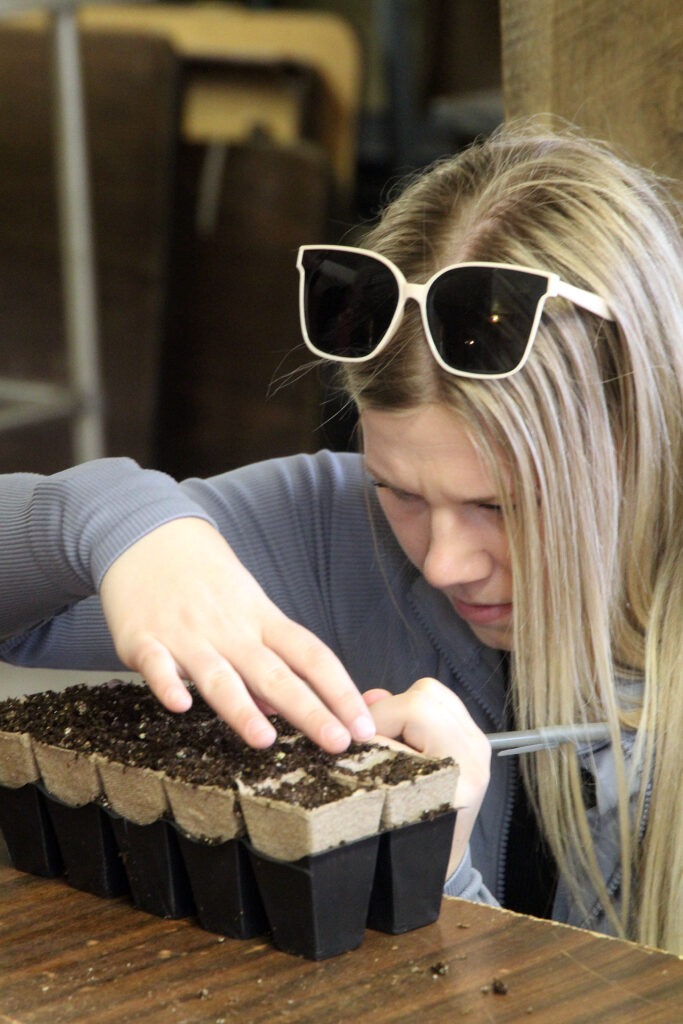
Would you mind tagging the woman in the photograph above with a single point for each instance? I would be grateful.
(513, 534)
(582, 442)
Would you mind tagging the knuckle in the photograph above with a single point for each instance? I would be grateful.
(217, 685)
(141, 653)
(429, 688)
(315, 655)
(272, 679)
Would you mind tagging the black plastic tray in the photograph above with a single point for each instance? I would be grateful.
(411, 870)
(225, 891)
(317, 906)
(28, 831)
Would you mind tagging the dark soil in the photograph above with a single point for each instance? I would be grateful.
(124, 722)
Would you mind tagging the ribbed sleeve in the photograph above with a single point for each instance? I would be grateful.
(59, 534)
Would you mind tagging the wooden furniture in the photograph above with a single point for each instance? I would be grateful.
(233, 332)
(266, 161)
(131, 97)
(224, 32)
(263, 155)
(80, 399)
(69, 957)
(616, 70)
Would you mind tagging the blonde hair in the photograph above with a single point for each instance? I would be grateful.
(591, 433)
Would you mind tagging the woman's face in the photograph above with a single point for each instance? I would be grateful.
(444, 511)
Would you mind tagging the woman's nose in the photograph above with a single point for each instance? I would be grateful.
(455, 555)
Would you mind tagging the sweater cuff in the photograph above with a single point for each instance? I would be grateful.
(467, 883)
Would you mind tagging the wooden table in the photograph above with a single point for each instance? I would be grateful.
(69, 957)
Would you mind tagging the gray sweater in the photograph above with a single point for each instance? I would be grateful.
(310, 530)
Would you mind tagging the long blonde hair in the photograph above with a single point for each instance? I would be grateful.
(591, 433)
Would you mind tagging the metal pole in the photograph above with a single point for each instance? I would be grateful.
(76, 234)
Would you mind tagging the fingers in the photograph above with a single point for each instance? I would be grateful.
(328, 689)
(170, 604)
(257, 682)
(433, 720)
(218, 683)
(258, 679)
(223, 689)
(160, 671)
(411, 715)
(372, 696)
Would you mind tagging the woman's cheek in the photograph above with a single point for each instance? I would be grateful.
(410, 528)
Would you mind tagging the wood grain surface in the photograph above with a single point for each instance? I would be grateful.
(615, 69)
(68, 957)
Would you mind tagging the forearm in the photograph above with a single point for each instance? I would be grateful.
(59, 534)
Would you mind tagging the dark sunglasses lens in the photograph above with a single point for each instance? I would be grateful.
(481, 317)
(349, 301)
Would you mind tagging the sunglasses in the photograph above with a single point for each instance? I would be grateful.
(480, 319)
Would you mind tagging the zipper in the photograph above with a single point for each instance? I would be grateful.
(614, 883)
(505, 830)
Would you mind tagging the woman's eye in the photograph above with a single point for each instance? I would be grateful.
(395, 492)
(490, 507)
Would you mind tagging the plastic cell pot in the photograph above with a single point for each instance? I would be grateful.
(317, 906)
(28, 831)
(226, 895)
(411, 870)
(156, 872)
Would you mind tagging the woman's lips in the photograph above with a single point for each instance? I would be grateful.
(482, 614)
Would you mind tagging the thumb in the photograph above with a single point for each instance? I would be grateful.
(372, 696)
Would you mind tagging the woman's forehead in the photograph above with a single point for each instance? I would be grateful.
(429, 444)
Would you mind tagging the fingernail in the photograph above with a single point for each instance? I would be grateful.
(260, 734)
(179, 698)
(335, 736)
(363, 728)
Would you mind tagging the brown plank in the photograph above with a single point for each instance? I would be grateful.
(614, 69)
(70, 958)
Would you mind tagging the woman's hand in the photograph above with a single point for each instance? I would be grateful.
(430, 718)
(180, 606)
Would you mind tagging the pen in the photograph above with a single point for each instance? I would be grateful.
(527, 741)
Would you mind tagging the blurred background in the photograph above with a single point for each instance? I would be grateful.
(218, 138)
(160, 164)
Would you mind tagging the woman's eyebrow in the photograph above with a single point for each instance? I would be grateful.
(369, 470)
(380, 478)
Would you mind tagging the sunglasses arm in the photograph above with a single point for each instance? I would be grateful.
(587, 300)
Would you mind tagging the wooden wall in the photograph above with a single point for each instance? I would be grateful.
(613, 67)
(199, 328)
(131, 94)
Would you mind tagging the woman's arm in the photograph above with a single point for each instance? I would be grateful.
(59, 534)
(178, 603)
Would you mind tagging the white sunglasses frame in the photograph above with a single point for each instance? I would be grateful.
(418, 292)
